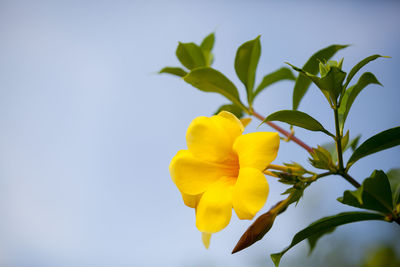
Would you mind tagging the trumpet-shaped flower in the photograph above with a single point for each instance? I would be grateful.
(223, 169)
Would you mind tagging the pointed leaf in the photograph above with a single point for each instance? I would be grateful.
(354, 143)
(312, 65)
(313, 78)
(345, 141)
(374, 194)
(210, 80)
(276, 76)
(206, 46)
(246, 61)
(326, 225)
(376, 143)
(208, 42)
(351, 94)
(190, 55)
(331, 146)
(297, 118)
(312, 240)
(358, 66)
(174, 71)
(394, 180)
(332, 82)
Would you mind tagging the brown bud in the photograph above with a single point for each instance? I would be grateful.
(257, 230)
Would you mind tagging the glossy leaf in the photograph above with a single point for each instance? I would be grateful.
(274, 77)
(234, 109)
(190, 55)
(376, 143)
(351, 94)
(358, 66)
(312, 66)
(210, 80)
(246, 61)
(325, 225)
(374, 194)
(394, 180)
(174, 71)
(297, 118)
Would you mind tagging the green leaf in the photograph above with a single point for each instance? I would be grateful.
(322, 159)
(331, 146)
(208, 42)
(351, 94)
(376, 143)
(332, 82)
(210, 80)
(276, 76)
(312, 240)
(206, 46)
(234, 109)
(354, 143)
(394, 180)
(374, 194)
(297, 118)
(190, 55)
(246, 61)
(325, 225)
(312, 66)
(378, 186)
(315, 79)
(345, 141)
(174, 71)
(358, 66)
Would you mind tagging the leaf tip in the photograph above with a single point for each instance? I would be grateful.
(276, 258)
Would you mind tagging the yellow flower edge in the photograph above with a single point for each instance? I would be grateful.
(223, 169)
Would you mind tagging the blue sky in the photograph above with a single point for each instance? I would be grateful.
(88, 128)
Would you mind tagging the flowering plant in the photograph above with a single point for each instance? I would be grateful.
(223, 169)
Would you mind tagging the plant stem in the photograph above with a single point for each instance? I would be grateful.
(284, 132)
(323, 175)
(350, 179)
(270, 173)
(342, 172)
(338, 141)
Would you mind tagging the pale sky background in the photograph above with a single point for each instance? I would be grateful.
(87, 127)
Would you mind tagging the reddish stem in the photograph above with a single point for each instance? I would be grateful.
(284, 132)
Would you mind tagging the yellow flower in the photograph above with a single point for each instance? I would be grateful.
(223, 169)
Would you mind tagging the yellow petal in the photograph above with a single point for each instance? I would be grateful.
(206, 238)
(257, 150)
(191, 200)
(193, 176)
(245, 121)
(249, 193)
(212, 138)
(231, 117)
(214, 210)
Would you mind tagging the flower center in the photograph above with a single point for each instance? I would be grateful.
(232, 165)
